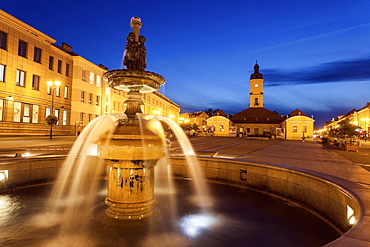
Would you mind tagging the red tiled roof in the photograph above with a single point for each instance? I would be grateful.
(257, 115)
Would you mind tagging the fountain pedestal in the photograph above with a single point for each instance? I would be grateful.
(131, 158)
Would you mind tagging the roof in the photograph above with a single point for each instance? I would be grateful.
(297, 112)
(257, 115)
(219, 112)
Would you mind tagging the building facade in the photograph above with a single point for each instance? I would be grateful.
(29, 59)
(360, 118)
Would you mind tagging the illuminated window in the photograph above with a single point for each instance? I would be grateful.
(98, 81)
(48, 111)
(22, 48)
(3, 40)
(26, 113)
(82, 96)
(91, 78)
(1, 109)
(59, 66)
(35, 82)
(66, 92)
(295, 128)
(221, 127)
(37, 55)
(65, 114)
(21, 77)
(57, 91)
(51, 62)
(2, 72)
(56, 113)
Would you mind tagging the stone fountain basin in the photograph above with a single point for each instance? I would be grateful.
(124, 79)
(325, 195)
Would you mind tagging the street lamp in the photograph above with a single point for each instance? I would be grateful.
(53, 85)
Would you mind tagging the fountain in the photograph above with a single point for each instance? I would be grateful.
(142, 208)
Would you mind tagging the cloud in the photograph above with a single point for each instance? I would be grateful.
(345, 70)
(313, 38)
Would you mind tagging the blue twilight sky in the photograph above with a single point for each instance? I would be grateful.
(314, 54)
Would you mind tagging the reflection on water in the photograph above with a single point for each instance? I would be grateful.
(9, 205)
(240, 216)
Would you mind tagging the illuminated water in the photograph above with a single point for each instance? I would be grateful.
(240, 218)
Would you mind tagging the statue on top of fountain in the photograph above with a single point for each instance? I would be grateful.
(135, 53)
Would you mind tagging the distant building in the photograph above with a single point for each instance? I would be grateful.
(359, 118)
(257, 121)
(29, 59)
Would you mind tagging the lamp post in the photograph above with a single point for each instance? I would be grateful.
(53, 85)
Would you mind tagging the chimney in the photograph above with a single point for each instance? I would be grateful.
(66, 47)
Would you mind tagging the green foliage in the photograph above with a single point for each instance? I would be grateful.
(188, 126)
(51, 120)
(344, 130)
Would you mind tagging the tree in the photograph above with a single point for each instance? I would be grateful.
(344, 130)
(51, 120)
(189, 128)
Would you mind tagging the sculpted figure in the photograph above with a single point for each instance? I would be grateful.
(131, 49)
(135, 53)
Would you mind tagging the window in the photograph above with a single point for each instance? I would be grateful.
(90, 98)
(1, 109)
(3, 40)
(47, 112)
(304, 129)
(35, 82)
(256, 101)
(37, 55)
(91, 78)
(97, 101)
(35, 114)
(82, 96)
(65, 115)
(57, 91)
(82, 116)
(51, 63)
(17, 112)
(83, 75)
(98, 81)
(66, 92)
(22, 48)
(21, 77)
(2, 72)
(90, 117)
(26, 113)
(295, 128)
(56, 113)
(59, 66)
(67, 69)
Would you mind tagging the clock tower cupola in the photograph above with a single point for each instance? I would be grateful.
(256, 88)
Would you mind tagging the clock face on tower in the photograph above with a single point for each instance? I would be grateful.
(256, 85)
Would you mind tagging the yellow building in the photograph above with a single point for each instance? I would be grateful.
(219, 125)
(29, 59)
(298, 126)
(360, 118)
